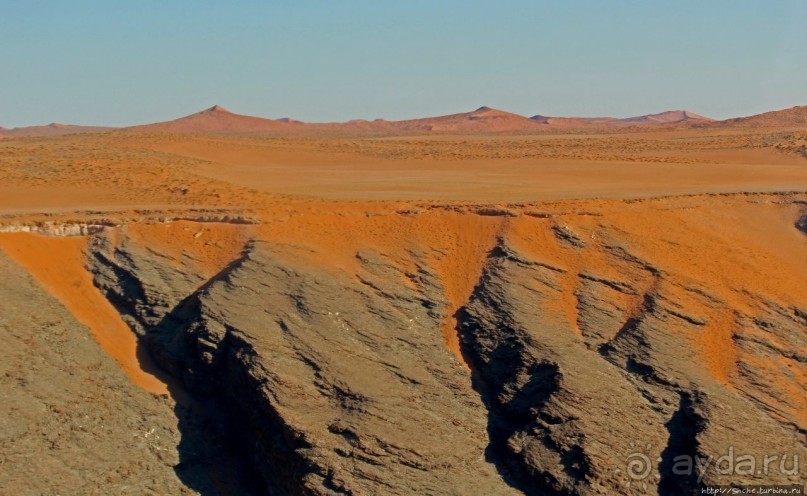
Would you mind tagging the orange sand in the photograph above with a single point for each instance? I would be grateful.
(163, 172)
(455, 246)
(464, 243)
(731, 248)
(58, 265)
(491, 169)
(407, 195)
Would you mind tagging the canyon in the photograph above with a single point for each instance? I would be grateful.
(437, 307)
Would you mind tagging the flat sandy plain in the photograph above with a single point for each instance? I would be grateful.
(131, 170)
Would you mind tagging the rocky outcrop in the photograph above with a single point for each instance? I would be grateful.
(54, 229)
(596, 368)
(801, 224)
(330, 379)
(79, 228)
(562, 418)
(564, 413)
(70, 421)
(336, 385)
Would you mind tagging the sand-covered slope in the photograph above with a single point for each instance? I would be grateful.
(792, 117)
(393, 353)
(72, 422)
(53, 129)
(215, 119)
(483, 119)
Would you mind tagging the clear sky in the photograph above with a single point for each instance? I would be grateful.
(128, 62)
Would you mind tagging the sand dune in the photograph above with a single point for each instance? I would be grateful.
(218, 120)
(482, 119)
(53, 129)
(668, 117)
(215, 119)
(660, 119)
(792, 117)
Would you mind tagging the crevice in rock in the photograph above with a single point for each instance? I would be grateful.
(514, 388)
(125, 294)
(677, 468)
(685, 423)
(213, 448)
(273, 446)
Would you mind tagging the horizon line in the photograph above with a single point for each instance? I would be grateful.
(483, 107)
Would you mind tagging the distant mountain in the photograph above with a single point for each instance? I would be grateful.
(217, 119)
(483, 119)
(668, 117)
(792, 117)
(53, 129)
(289, 120)
(574, 122)
(663, 118)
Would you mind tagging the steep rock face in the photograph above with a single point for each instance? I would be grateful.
(339, 385)
(573, 398)
(706, 417)
(347, 386)
(592, 345)
(563, 417)
(70, 421)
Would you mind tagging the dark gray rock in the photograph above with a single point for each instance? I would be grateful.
(71, 422)
(338, 383)
(563, 419)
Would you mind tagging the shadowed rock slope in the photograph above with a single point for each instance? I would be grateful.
(664, 330)
(337, 385)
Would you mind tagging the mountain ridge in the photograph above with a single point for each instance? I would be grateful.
(218, 119)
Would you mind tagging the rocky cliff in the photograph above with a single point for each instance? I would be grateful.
(587, 348)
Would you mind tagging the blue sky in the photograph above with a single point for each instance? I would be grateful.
(119, 63)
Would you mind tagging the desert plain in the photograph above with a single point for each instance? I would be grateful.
(481, 303)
